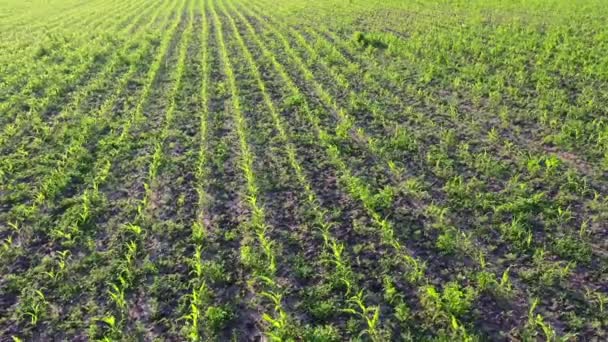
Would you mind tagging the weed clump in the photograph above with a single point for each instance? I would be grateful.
(366, 41)
(359, 38)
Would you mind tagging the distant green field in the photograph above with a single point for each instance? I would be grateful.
(315, 170)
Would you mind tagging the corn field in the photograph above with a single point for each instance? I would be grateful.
(231, 170)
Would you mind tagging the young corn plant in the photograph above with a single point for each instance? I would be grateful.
(33, 305)
(536, 321)
(370, 314)
(279, 321)
(117, 293)
(198, 299)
